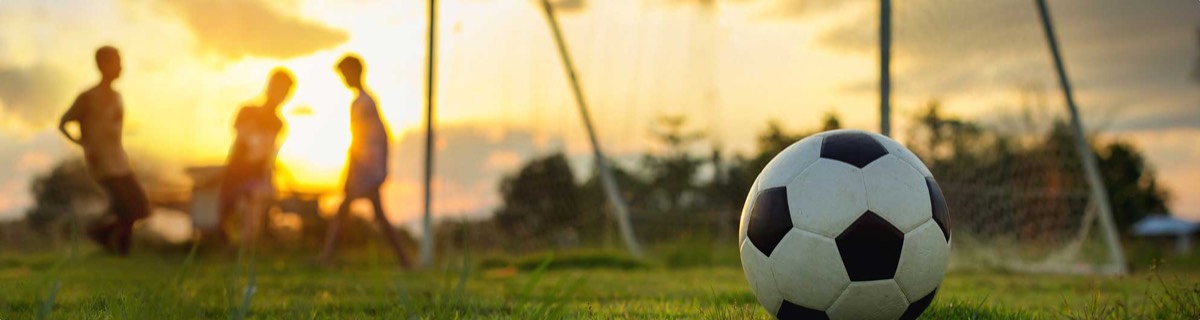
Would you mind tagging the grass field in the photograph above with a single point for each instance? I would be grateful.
(151, 286)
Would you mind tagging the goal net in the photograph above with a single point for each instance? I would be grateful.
(975, 95)
(989, 119)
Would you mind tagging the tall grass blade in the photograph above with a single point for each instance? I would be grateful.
(48, 303)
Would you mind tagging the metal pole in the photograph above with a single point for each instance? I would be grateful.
(610, 186)
(1099, 195)
(885, 67)
(426, 258)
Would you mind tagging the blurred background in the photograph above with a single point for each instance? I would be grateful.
(689, 99)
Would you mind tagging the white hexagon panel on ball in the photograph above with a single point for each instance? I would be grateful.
(845, 224)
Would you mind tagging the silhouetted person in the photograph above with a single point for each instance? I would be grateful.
(247, 186)
(100, 114)
(367, 166)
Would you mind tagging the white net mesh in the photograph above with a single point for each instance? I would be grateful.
(990, 123)
(975, 96)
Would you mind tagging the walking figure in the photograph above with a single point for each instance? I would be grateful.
(367, 166)
(101, 117)
(248, 182)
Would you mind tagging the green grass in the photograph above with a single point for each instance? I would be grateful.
(163, 286)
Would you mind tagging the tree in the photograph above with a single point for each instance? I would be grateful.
(541, 200)
(774, 139)
(727, 192)
(937, 137)
(673, 171)
(1133, 189)
(1044, 160)
(63, 192)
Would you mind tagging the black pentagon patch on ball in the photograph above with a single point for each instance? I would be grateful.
(856, 148)
(870, 248)
(770, 219)
(939, 207)
(790, 310)
(917, 307)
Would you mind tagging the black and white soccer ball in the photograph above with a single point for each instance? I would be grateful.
(845, 224)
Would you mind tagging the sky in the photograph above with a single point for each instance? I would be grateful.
(728, 65)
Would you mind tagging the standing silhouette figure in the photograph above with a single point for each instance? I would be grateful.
(248, 182)
(101, 116)
(367, 166)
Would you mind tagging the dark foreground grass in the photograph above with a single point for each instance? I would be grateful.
(147, 286)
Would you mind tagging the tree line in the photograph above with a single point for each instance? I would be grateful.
(1022, 180)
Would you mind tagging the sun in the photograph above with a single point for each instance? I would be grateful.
(313, 154)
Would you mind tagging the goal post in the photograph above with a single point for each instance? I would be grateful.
(885, 67)
(1099, 197)
(619, 210)
(427, 233)
(1021, 179)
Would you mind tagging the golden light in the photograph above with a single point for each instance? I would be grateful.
(313, 154)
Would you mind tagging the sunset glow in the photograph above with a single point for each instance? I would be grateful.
(649, 159)
(502, 95)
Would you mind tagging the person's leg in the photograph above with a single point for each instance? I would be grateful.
(130, 204)
(331, 235)
(227, 208)
(252, 217)
(139, 208)
(386, 227)
(101, 231)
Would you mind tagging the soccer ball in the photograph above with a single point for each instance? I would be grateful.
(845, 224)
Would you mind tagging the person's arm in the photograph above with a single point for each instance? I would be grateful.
(239, 119)
(72, 115)
(279, 132)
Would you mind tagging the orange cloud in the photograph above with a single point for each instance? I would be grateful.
(35, 161)
(32, 96)
(13, 199)
(568, 5)
(236, 28)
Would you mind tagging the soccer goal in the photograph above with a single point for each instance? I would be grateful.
(982, 96)
(1021, 181)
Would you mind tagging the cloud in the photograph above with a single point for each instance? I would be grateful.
(14, 197)
(569, 5)
(792, 8)
(564, 6)
(22, 158)
(1196, 71)
(1129, 63)
(1185, 116)
(950, 42)
(470, 161)
(34, 161)
(1132, 59)
(236, 29)
(32, 96)
(1173, 154)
